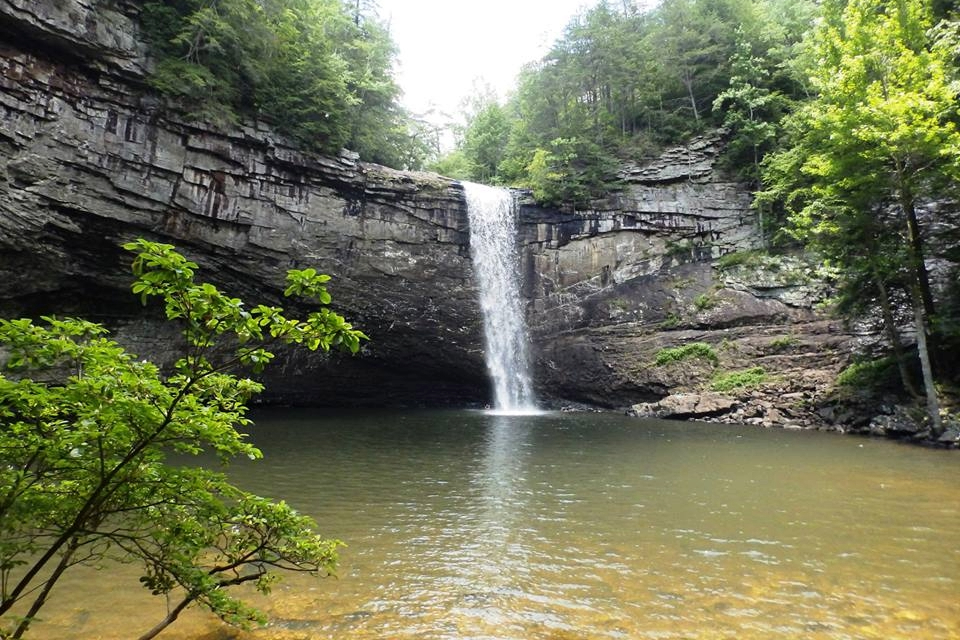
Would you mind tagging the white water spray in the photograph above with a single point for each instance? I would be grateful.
(497, 264)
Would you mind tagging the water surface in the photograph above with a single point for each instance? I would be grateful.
(469, 525)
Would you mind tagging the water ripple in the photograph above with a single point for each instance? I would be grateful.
(463, 525)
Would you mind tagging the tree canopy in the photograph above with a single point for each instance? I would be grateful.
(880, 138)
(621, 83)
(320, 71)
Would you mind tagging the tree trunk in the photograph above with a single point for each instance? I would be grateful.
(916, 251)
(886, 311)
(688, 83)
(41, 599)
(923, 309)
(170, 618)
(929, 387)
(917, 263)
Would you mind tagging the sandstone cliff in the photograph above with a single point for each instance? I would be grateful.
(639, 272)
(89, 160)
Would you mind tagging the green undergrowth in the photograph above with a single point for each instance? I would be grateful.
(868, 373)
(749, 258)
(704, 301)
(784, 342)
(693, 350)
(745, 379)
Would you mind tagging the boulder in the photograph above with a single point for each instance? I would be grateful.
(950, 436)
(686, 405)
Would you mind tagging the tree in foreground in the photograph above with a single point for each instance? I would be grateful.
(85, 434)
(881, 138)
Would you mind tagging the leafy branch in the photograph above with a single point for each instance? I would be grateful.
(87, 427)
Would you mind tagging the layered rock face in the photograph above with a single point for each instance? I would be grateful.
(88, 160)
(645, 270)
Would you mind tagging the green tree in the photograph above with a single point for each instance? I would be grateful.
(751, 114)
(569, 170)
(545, 178)
(85, 434)
(621, 83)
(209, 54)
(381, 130)
(304, 89)
(453, 165)
(696, 41)
(881, 137)
(319, 71)
(750, 110)
(484, 141)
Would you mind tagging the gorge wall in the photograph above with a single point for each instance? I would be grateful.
(668, 260)
(89, 160)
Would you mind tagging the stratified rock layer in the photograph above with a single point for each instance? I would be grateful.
(88, 160)
(638, 272)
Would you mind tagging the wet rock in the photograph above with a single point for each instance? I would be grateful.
(686, 405)
(899, 423)
(950, 437)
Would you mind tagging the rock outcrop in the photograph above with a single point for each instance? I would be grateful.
(88, 160)
(684, 406)
(668, 260)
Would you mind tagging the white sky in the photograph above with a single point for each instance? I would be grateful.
(446, 45)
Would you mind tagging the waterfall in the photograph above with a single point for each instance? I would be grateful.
(493, 246)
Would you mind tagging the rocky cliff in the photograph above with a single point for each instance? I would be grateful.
(669, 260)
(89, 160)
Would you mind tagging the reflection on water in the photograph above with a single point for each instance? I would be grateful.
(562, 526)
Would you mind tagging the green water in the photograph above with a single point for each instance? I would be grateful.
(467, 525)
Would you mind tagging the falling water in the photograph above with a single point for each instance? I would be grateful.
(494, 248)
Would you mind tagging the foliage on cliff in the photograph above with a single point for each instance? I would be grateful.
(88, 430)
(880, 138)
(317, 70)
(622, 82)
